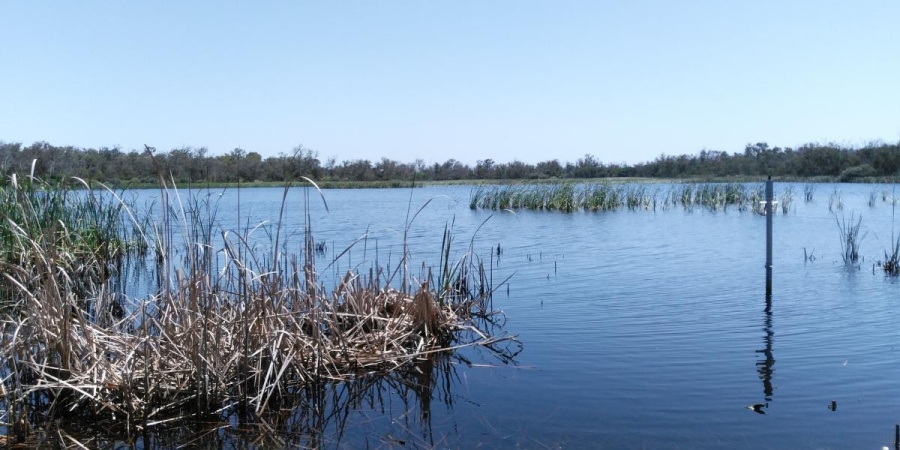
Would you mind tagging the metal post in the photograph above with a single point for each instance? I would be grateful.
(770, 210)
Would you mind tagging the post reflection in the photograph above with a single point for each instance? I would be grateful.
(765, 366)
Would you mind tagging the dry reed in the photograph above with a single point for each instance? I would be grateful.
(228, 328)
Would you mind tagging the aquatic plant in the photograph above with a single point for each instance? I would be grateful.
(808, 190)
(636, 197)
(809, 256)
(756, 196)
(82, 225)
(835, 200)
(229, 327)
(787, 197)
(891, 263)
(850, 238)
(602, 197)
(686, 196)
(608, 196)
(561, 197)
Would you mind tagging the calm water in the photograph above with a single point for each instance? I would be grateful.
(640, 329)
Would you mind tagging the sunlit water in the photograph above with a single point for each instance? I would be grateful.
(640, 329)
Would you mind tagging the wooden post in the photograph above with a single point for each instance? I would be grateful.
(770, 210)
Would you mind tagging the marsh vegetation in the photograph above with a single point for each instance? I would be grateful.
(229, 327)
(569, 197)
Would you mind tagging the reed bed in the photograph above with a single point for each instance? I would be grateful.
(79, 223)
(603, 197)
(570, 197)
(84, 221)
(229, 328)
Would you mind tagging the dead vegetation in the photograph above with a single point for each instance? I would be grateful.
(228, 329)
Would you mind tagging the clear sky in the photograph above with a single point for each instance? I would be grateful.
(521, 80)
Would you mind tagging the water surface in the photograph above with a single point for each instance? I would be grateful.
(640, 329)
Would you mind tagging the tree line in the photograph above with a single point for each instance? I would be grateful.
(196, 165)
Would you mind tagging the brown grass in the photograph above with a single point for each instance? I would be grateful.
(243, 335)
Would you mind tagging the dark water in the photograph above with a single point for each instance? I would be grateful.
(640, 329)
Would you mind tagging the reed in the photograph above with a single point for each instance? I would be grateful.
(80, 223)
(849, 230)
(891, 263)
(607, 196)
(787, 198)
(808, 190)
(230, 327)
(736, 194)
(686, 196)
(636, 197)
(835, 200)
(602, 197)
(755, 196)
(562, 198)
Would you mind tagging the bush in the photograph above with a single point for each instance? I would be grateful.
(856, 172)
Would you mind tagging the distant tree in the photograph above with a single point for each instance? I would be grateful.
(549, 169)
(587, 167)
(330, 164)
(189, 165)
(484, 169)
(304, 162)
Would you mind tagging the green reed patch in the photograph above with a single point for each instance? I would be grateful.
(569, 197)
(88, 229)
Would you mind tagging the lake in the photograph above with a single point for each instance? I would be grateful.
(638, 329)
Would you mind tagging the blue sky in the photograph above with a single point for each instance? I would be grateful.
(521, 80)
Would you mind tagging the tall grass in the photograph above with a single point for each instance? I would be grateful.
(787, 198)
(808, 191)
(891, 264)
(835, 200)
(571, 197)
(873, 196)
(230, 327)
(86, 228)
(851, 238)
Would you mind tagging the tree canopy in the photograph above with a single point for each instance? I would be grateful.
(196, 165)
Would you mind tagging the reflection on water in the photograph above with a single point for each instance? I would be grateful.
(374, 410)
(766, 366)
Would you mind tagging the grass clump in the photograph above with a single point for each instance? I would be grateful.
(851, 238)
(835, 200)
(88, 231)
(787, 198)
(891, 263)
(230, 328)
(808, 190)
